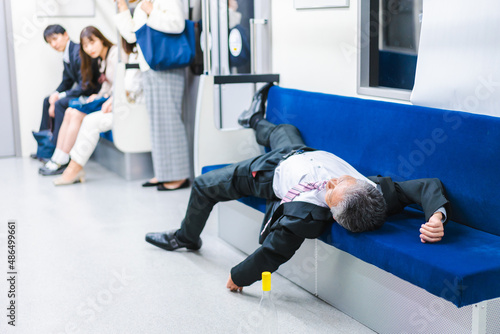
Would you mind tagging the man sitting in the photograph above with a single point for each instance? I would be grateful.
(307, 190)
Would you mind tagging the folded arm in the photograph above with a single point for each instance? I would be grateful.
(429, 194)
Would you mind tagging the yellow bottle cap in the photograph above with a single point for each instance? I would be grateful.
(266, 281)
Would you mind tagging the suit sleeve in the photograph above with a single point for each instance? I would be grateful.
(428, 193)
(67, 82)
(77, 90)
(278, 248)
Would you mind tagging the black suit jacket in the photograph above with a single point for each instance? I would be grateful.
(72, 74)
(292, 222)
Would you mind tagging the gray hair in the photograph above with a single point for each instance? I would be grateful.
(362, 208)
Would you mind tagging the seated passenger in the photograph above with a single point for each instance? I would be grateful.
(93, 45)
(70, 86)
(308, 190)
(98, 122)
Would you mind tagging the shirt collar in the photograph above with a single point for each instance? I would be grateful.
(66, 53)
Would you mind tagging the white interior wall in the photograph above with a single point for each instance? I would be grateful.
(38, 67)
(313, 50)
(316, 49)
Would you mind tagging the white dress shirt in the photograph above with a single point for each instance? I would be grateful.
(66, 53)
(62, 95)
(311, 167)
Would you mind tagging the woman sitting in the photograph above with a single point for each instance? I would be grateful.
(98, 122)
(93, 45)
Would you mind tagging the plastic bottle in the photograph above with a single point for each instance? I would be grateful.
(267, 309)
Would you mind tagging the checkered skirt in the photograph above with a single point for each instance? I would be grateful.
(163, 92)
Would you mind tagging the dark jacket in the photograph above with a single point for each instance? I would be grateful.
(292, 222)
(72, 75)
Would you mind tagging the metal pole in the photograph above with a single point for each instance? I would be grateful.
(253, 44)
(205, 14)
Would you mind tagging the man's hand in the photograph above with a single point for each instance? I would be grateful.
(231, 286)
(54, 97)
(147, 7)
(433, 230)
(91, 98)
(52, 110)
(107, 106)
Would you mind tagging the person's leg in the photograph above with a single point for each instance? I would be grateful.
(88, 136)
(85, 144)
(59, 109)
(67, 136)
(46, 122)
(228, 183)
(169, 147)
(277, 136)
(63, 128)
(67, 140)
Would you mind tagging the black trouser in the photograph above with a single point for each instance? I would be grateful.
(47, 122)
(60, 108)
(236, 180)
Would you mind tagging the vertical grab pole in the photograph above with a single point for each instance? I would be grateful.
(205, 14)
(253, 44)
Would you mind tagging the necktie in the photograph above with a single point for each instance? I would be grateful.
(302, 187)
(296, 191)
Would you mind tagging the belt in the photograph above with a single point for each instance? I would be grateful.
(292, 153)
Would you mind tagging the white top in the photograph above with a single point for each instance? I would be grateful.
(108, 67)
(62, 95)
(66, 53)
(166, 16)
(311, 167)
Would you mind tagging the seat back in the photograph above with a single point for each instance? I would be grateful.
(405, 142)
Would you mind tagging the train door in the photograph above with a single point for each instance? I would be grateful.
(238, 33)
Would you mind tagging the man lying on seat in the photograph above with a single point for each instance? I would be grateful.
(307, 190)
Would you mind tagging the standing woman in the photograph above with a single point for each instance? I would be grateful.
(163, 92)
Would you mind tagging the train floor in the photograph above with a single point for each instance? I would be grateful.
(82, 265)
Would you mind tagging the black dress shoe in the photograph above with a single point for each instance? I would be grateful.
(169, 241)
(150, 184)
(256, 108)
(36, 157)
(52, 168)
(184, 184)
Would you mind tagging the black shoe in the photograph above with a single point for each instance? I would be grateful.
(150, 184)
(36, 157)
(184, 184)
(169, 241)
(258, 107)
(52, 168)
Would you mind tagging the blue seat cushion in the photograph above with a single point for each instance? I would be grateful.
(410, 142)
(404, 142)
(107, 135)
(463, 268)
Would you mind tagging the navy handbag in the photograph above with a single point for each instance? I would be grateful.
(164, 51)
(45, 146)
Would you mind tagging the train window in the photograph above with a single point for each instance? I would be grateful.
(388, 42)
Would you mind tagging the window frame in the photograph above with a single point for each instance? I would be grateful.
(368, 43)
